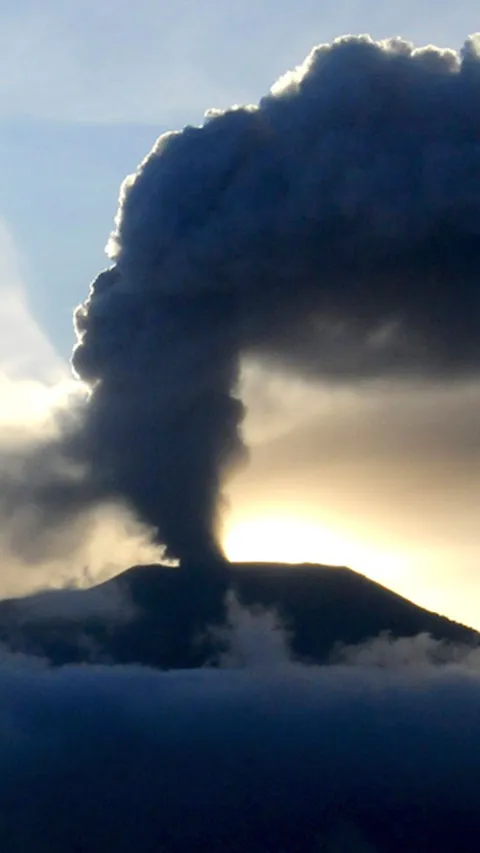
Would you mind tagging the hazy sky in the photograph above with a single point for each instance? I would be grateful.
(384, 479)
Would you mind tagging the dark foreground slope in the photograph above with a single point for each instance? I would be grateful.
(160, 616)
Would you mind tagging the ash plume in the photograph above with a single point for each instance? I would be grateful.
(333, 231)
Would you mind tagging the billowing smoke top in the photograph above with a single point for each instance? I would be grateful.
(333, 229)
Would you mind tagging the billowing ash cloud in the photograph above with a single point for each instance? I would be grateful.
(334, 229)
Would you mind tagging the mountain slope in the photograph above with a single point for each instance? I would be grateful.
(163, 614)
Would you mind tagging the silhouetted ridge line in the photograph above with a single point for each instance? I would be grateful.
(173, 609)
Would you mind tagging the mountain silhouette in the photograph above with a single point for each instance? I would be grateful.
(168, 613)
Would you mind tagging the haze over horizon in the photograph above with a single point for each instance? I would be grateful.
(369, 471)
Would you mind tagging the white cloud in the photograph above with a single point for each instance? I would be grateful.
(252, 637)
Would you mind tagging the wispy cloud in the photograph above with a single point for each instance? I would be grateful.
(34, 383)
(25, 352)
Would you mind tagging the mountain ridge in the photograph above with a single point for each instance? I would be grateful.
(167, 609)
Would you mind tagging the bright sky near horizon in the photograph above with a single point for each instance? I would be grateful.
(85, 88)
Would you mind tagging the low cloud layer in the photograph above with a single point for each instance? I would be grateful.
(377, 752)
(358, 757)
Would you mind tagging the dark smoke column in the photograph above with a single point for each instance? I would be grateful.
(157, 344)
(161, 423)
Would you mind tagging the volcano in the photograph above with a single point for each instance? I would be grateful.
(171, 612)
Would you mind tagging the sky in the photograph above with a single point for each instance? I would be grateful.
(383, 479)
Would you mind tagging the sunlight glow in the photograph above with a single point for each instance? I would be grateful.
(25, 403)
(288, 538)
(296, 535)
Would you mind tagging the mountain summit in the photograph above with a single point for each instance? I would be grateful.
(163, 617)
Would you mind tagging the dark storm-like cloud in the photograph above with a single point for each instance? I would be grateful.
(291, 758)
(334, 230)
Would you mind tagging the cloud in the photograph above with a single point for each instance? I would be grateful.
(383, 478)
(334, 444)
(25, 352)
(39, 400)
(55, 540)
(249, 637)
(407, 653)
(330, 233)
(376, 752)
(269, 759)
